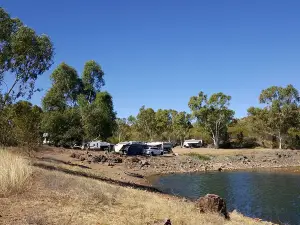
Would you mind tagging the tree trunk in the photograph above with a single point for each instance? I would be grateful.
(280, 142)
(216, 142)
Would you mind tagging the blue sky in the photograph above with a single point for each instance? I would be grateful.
(160, 53)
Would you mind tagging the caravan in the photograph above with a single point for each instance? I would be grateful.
(192, 143)
(99, 145)
(121, 145)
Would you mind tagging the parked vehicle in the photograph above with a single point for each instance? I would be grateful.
(166, 146)
(77, 146)
(133, 149)
(153, 151)
(192, 143)
(118, 147)
(99, 145)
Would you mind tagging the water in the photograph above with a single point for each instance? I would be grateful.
(270, 196)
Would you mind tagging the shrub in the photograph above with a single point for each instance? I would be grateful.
(14, 173)
(198, 156)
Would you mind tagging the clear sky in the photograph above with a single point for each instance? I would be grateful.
(159, 53)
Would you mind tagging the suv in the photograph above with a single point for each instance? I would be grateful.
(153, 151)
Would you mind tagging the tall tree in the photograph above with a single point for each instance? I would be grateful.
(24, 56)
(98, 117)
(92, 79)
(64, 127)
(163, 123)
(123, 129)
(278, 116)
(182, 125)
(146, 123)
(66, 87)
(213, 113)
(25, 120)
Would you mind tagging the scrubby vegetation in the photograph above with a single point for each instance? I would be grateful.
(199, 156)
(14, 173)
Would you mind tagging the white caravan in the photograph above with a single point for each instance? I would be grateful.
(120, 145)
(99, 145)
(166, 146)
(192, 143)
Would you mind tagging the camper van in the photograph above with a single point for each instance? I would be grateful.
(99, 145)
(192, 143)
(166, 146)
(118, 147)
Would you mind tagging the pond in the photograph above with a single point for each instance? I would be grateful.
(272, 196)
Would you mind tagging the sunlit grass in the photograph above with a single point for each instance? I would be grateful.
(14, 173)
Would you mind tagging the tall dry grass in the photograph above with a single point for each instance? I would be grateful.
(61, 199)
(14, 173)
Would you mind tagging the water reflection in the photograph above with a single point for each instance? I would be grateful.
(270, 196)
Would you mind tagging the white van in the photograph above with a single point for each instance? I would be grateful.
(99, 145)
(192, 143)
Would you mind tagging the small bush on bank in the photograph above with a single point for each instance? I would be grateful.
(199, 156)
(14, 173)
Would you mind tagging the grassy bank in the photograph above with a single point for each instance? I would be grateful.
(14, 173)
(58, 198)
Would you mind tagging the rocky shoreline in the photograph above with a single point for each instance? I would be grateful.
(137, 169)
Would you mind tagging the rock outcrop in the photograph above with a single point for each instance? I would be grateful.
(212, 203)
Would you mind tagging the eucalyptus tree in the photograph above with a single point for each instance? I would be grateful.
(213, 113)
(145, 123)
(182, 126)
(92, 79)
(24, 56)
(98, 117)
(163, 124)
(280, 114)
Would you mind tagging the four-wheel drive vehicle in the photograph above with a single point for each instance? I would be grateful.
(133, 149)
(153, 151)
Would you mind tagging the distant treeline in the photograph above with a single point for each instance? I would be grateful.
(76, 110)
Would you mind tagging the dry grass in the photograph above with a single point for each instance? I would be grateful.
(58, 198)
(222, 152)
(62, 199)
(14, 173)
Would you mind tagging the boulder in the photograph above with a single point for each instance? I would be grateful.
(212, 203)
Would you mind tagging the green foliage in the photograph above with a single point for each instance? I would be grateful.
(123, 131)
(92, 79)
(24, 55)
(280, 114)
(198, 156)
(146, 124)
(66, 86)
(64, 127)
(20, 125)
(163, 124)
(182, 125)
(98, 117)
(213, 114)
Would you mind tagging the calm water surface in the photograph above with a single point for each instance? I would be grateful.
(270, 196)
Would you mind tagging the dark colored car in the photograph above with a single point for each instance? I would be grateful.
(133, 149)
